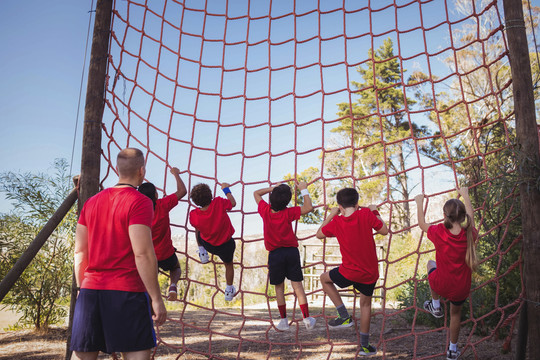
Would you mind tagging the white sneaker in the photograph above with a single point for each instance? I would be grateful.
(230, 291)
(309, 322)
(203, 255)
(283, 325)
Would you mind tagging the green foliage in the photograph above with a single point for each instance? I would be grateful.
(315, 192)
(47, 279)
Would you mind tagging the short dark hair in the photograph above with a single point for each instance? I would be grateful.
(149, 190)
(201, 195)
(347, 197)
(129, 161)
(280, 197)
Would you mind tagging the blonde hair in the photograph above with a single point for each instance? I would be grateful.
(455, 212)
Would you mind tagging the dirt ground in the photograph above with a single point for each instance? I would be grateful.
(229, 334)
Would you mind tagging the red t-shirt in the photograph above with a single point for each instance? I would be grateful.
(356, 244)
(108, 215)
(213, 223)
(278, 231)
(161, 227)
(452, 279)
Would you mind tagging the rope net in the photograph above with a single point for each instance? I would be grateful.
(394, 98)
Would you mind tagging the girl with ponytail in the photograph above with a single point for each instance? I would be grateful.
(455, 253)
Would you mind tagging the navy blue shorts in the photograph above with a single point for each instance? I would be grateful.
(170, 263)
(284, 263)
(224, 251)
(343, 282)
(112, 321)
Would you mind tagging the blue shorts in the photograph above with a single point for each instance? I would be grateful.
(284, 263)
(225, 251)
(343, 282)
(112, 321)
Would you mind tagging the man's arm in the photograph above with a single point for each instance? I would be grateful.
(180, 186)
(81, 253)
(228, 194)
(307, 206)
(146, 262)
(420, 212)
(258, 194)
(333, 212)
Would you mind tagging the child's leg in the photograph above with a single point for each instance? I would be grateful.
(229, 273)
(175, 275)
(330, 289)
(298, 288)
(430, 266)
(455, 322)
(365, 313)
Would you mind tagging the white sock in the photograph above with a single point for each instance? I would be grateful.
(202, 250)
(453, 347)
(436, 303)
(229, 287)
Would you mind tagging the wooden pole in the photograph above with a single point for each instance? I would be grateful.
(26, 258)
(93, 114)
(529, 167)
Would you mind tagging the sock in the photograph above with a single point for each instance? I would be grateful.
(282, 311)
(305, 310)
(342, 311)
(452, 347)
(228, 287)
(364, 339)
(202, 250)
(436, 303)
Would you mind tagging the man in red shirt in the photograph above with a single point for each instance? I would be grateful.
(161, 230)
(116, 269)
(282, 244)
(353, 229)
(214, 230)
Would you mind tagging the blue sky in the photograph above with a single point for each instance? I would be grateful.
(43, 46)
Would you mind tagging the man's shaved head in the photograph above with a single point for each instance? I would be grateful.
(129, 161)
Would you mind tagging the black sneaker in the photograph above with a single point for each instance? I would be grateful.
(452, 355)
(340, 322)
(437, 312)
(368, 350)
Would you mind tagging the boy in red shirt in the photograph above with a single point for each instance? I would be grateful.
(214, 229)
(353, 229)
(161, 230)
(282, 244)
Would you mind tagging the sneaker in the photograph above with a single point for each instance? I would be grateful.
(230, 291)
(340, 322)
(203, 255)
(428, 306)
(368, 350)
(452, 355)
(309, 322)
(173, 293)
(283, 325)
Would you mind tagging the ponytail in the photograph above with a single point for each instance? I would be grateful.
(470, 257)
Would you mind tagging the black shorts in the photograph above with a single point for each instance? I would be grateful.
(343, 282)
(112, 321)
(170, 263)
(224, 251)
(284, 263)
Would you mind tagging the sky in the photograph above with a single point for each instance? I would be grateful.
(43, 54)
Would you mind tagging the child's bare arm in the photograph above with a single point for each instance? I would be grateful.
(420, 212)
(464, 192)
(181, 190)
(333, 212)
(307, 206)
(258, 194)
(228, 193)
(384, 228)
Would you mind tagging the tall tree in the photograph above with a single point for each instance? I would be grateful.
(35, 197)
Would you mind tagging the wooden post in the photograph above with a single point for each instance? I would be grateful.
(93, 114)
(529, 167)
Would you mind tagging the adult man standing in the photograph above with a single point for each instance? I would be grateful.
(116, 269)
